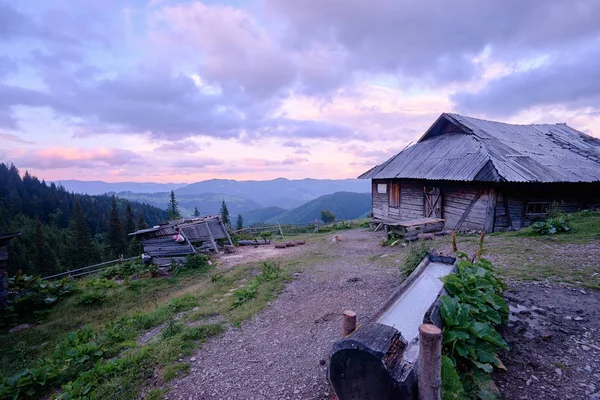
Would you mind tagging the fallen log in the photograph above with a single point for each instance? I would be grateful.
(253, 242)
(280, 246)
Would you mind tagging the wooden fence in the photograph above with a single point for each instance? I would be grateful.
(281, 229)
(92, 269)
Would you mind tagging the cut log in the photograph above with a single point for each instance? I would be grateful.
(349, 322)
(300, 242)
(280, 246)
(430, 362)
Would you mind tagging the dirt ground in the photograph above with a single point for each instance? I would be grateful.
(282, 352)
(554, 335)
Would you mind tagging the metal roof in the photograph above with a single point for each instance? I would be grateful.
(470, 149)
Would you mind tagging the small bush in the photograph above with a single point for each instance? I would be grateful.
(182, 303)
(551, 226)
(91, 298)
(197, 263)
(415, 253)
(202, 332)
(269, 271)
(245, 293)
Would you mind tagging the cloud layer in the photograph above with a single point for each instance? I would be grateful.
(321, 85)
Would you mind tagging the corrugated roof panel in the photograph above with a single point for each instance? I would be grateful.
(519, 153)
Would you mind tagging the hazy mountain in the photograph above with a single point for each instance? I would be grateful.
(344, 205)
(279, 192)
(207, 203)
(260, 215)
(101, 187)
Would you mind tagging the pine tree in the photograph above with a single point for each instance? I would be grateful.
(141, 222)
(115, 240)
(225, 214)
(44, 259)
(173, 208)
(129, 220)
(196, 212)
(80, 248)
(240, 222)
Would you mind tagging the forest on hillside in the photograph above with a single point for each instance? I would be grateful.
(61, 230)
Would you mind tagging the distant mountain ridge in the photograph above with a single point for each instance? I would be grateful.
(345, 206)
(281, 192)
(247, 195)
(101, 187)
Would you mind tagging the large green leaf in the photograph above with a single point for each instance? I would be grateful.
(485, 331)
(452, 388)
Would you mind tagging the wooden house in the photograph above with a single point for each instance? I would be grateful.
(482, 175)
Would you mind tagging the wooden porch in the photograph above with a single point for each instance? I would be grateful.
(409, 228)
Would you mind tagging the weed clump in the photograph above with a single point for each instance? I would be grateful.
(415, 253)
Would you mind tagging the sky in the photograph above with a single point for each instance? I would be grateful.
(183, 91)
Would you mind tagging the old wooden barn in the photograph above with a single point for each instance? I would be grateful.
(484, 175)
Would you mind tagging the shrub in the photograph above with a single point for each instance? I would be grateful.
(470, 340)
(29, 295)
(327, 216)
(197, 263)
(91, 298)
(551, 226)
(415, 253)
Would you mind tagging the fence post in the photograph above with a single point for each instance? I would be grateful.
(349, 322)
(430, 362)
(316, 225)
(279, 226)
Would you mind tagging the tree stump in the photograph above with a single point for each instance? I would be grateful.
(430, 362)
(349, 322)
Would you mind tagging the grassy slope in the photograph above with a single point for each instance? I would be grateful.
(144, 304)
(344, 205)
(524, 255)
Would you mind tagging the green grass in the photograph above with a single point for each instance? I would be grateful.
(525, 255)
(121, 366)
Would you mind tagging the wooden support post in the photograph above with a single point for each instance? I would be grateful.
(349, 322)
(316, 225)
(430, 362)
(212, 239)
(490, 215)
(280, 231)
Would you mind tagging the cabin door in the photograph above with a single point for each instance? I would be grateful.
(433, 202)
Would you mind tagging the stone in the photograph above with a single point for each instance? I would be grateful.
(558, 371)
(578, 319)
(19, 328)
(584, 347)
(193, 359)
(568, 318)
(588, 369)
(296, 391)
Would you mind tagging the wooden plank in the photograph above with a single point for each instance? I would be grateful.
(491, 211)
(467, 211)
(212, 239)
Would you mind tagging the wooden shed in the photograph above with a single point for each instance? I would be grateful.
(484, 175)
(159, 242)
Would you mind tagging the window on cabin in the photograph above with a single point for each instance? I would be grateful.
(382, 188)
(536, 208)
(395, 195)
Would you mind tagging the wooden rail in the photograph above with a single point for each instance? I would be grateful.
(88, 270)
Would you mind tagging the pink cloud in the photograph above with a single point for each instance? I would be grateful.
(73, 157)
(8, 137)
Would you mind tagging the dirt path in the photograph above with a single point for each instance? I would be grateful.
(282, 352)
(554, 334)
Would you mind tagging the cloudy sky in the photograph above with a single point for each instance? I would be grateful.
(181, 91)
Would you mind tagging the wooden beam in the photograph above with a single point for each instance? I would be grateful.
(212, 239)
(490, 215)
(468, 210)
(507, 210)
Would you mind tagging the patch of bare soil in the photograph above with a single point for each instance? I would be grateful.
(282, 353)
(554, 335)
(247, 254)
